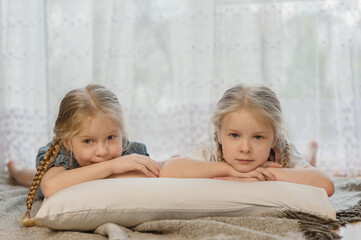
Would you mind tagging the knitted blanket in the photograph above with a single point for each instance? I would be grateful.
(273, 225)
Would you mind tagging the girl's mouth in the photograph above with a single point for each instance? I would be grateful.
(244, 161)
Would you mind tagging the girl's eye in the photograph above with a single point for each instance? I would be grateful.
(258, 137)
(111, 137)
(234, 135)
(88, 141)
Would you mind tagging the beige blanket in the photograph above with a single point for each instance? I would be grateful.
(274, 225)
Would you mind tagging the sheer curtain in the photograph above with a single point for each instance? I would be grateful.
(170, 61)
(23, 82)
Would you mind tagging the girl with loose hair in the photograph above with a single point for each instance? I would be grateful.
(249, 143)
(89, 143)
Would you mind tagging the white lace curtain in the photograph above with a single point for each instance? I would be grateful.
(170, 61)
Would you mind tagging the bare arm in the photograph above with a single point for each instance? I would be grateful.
(130, 174)
(307, 176)
(182, 167)
(58, 178)
(188, 168)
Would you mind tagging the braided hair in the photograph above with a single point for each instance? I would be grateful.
(255, 98)
(78, 104)
(49, 157)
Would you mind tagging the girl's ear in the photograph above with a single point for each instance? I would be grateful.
(67, 145)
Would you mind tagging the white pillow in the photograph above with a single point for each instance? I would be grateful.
(131, 201)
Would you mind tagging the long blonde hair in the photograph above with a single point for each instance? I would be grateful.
(78, 104)
(257, 98)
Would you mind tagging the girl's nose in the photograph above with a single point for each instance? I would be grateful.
(244, 146)
(102, 150)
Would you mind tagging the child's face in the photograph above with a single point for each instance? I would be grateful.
(246, 139)
(99, 140)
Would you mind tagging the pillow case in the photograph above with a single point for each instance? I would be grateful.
(131, 201)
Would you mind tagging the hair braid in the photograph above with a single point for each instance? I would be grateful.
(285, 156)
(49, 157)
(220, 153)
(220, 157)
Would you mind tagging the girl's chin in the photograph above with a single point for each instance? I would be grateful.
(243, 169)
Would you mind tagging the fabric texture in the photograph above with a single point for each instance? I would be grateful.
(132, 201)
(267, 226)
(207, 151)
(63, 158)
(279, 225)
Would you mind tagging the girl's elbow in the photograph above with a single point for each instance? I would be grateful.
(162, 173)
(165, 172)
(46, 193)
(323, 181)
(169, 169)
(176, 168)
(47, 189)
(330, 188)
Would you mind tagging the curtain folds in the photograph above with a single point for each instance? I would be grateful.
(170, 61)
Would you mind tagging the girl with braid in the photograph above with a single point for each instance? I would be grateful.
(248, 144)
(89, 143)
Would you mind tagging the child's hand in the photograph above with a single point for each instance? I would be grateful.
(259, 174)
(135, 162)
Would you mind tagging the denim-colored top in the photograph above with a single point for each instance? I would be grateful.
(63, 158)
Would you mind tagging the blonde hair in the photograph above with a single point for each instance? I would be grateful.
(78, 104)
(256, 98)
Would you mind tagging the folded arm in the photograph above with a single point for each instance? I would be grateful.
(307, 176)
(189, 168)
(134, 165)
(183, 167)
